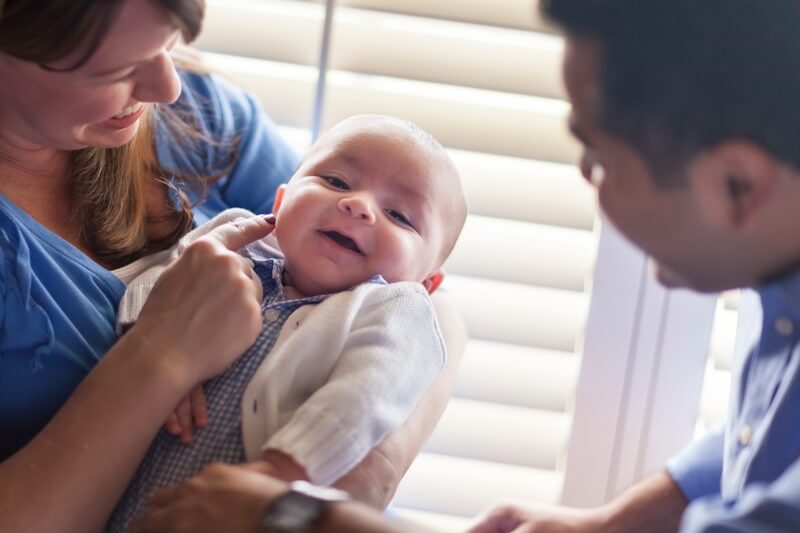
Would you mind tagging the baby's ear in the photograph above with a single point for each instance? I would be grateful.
(433, 281)
(276, 205)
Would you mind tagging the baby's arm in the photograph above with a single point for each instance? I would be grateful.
(391, 355)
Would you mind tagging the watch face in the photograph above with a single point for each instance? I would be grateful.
(293, 512)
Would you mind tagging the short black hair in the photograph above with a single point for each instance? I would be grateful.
(680, 76)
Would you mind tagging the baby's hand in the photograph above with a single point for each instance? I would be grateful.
(192, 412)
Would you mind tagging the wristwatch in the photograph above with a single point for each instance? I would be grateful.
(301, 508)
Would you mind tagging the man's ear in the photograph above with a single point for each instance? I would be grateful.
(432, 282)
(276, 205)
(735, 179)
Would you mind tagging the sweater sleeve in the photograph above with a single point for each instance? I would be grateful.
(392, 353)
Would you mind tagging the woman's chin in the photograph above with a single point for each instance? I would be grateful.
(97, 136)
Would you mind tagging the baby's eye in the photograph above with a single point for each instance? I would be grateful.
(399, 217)
(336, 183)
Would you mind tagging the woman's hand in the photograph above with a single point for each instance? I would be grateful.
(204, 310)
(220, 498)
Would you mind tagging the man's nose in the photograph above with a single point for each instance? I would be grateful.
(358, 207)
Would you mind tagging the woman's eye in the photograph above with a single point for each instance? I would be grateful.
(399, 217)
(336, 183)
(122, 76)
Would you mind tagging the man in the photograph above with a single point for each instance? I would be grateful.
(687, 111)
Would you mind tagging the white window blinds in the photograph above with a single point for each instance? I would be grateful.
(483, 77)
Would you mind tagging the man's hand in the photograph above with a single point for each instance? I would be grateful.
(654, 505)
(521, 518)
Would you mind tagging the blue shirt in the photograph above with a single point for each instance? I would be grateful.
(58, 307)
(746, 478)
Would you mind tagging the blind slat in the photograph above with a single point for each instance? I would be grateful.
(523, 14)
(470, 485)
(512, 375)
(513, 251)
(444, 51)
(543, 192)
(501, 434)
(519, 314)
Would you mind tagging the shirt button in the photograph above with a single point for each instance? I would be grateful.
(784, 326)
(271, 315)
(745, 435)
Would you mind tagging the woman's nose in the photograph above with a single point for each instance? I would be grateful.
(358, 207)
(157, 81)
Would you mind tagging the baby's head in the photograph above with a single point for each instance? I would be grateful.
(374, 195)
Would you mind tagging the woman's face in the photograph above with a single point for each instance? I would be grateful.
(100, 103)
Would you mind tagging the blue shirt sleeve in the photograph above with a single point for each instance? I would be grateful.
(697, 470)
(762, 508)
(236, 138)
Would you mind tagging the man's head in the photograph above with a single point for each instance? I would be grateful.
(375, 195)
(687, 109)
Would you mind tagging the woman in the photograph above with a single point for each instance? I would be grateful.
(97, 171)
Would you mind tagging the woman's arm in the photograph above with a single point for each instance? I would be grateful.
(234, 499)
(375, 480)
(70, 475)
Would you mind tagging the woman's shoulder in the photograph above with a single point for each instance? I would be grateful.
(218, 107)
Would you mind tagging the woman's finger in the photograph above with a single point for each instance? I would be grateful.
(241, 232)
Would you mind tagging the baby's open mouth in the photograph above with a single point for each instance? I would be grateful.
(343, 240)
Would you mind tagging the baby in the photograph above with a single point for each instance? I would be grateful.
(349, 340)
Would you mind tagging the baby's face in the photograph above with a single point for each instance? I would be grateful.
(365, 201)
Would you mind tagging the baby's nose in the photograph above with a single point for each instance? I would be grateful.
(358, 207)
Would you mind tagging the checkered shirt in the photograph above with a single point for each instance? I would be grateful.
(168, 461)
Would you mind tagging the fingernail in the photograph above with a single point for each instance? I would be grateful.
(269, 219)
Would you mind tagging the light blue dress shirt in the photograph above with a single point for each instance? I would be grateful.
(747, 478)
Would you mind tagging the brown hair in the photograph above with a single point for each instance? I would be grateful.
(110, 185)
